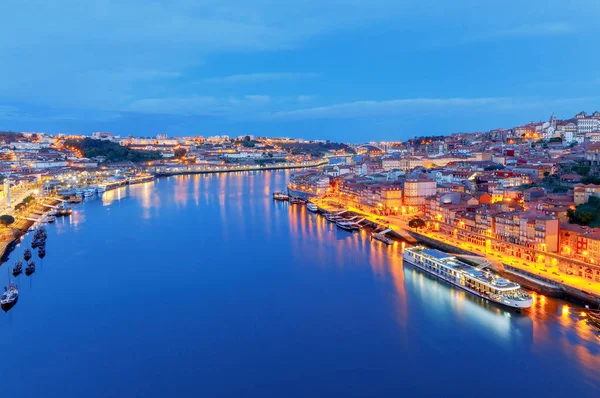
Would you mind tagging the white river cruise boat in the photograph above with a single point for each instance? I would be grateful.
(482, 283)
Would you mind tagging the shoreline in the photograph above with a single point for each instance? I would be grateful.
(534, 282)
(24, 224)
(239, 168)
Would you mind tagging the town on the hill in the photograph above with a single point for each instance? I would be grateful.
(527, 196)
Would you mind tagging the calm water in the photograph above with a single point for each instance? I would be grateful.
(201, 286)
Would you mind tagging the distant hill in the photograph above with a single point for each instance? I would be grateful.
(111, 151)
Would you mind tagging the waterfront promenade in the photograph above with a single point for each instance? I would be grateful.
(400, 223)
(298, 289)
(209, 169)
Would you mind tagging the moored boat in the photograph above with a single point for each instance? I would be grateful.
(10, 296)
(30, 269)
(18, 268)
(381, 238)
(296, 201)
(64, 212)
(479, 282)
(347, 225)
(280, 196)
(310, 206)
(27, 254)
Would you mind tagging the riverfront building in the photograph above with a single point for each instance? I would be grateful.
(582, 192)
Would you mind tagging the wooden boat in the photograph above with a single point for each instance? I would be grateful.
(280, 196)
(18, 268)
(381, 238)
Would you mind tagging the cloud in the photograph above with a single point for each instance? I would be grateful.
(199, 105)
(374, 108)
(305, 98)
(174, 105)
(433, 107)
(260, 77)
(526, 30)
(256, 98)
(8, 112)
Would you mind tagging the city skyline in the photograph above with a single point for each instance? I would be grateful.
(345, 71)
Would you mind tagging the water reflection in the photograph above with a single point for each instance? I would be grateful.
(549, 322)
(268, 287)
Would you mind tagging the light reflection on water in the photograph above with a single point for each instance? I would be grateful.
(549, 322)
(262, 290)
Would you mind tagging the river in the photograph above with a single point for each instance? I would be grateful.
(202, 286)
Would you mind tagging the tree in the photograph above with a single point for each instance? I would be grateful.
(179, 153)
(416, 223)
(585, 217)
(494, 167)
(6, 220)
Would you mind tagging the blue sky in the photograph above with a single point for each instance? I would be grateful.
(342, 69)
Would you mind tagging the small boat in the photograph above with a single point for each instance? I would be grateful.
(79, 192)
(296, 200)
(39, 237)
(18, 268)
(49, 219)
(381, 238)
(101, 188)
(89, 192)
(347, 225)
(27, 254)
(280, 196)
(64, 212)
(30, 269)
(594, 319)
(10, 296)
(42, 252)
(312, 207)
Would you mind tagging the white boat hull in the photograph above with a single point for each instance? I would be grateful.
(516, 304)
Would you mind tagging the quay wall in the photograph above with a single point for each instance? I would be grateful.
(167, 173)
(527, 279)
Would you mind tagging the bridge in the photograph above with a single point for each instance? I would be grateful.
(370, 146)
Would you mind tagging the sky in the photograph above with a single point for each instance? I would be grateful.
(345, 70)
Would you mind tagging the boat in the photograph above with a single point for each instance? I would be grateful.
(89, 192)
(347, 225)
(595, 320)
(477, 281)
(30, 269)
(312, 207)
(27, 254)
(49, 219)
(64, 212)
(101, 189)
(18, 268)
(280, 196)
(42, 252)
(381, 238)
(39, 237)
(296, 201)
(10, 296)
(74, 199)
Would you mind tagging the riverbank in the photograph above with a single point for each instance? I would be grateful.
(195, 169)
(12, 234)
(538, 283)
